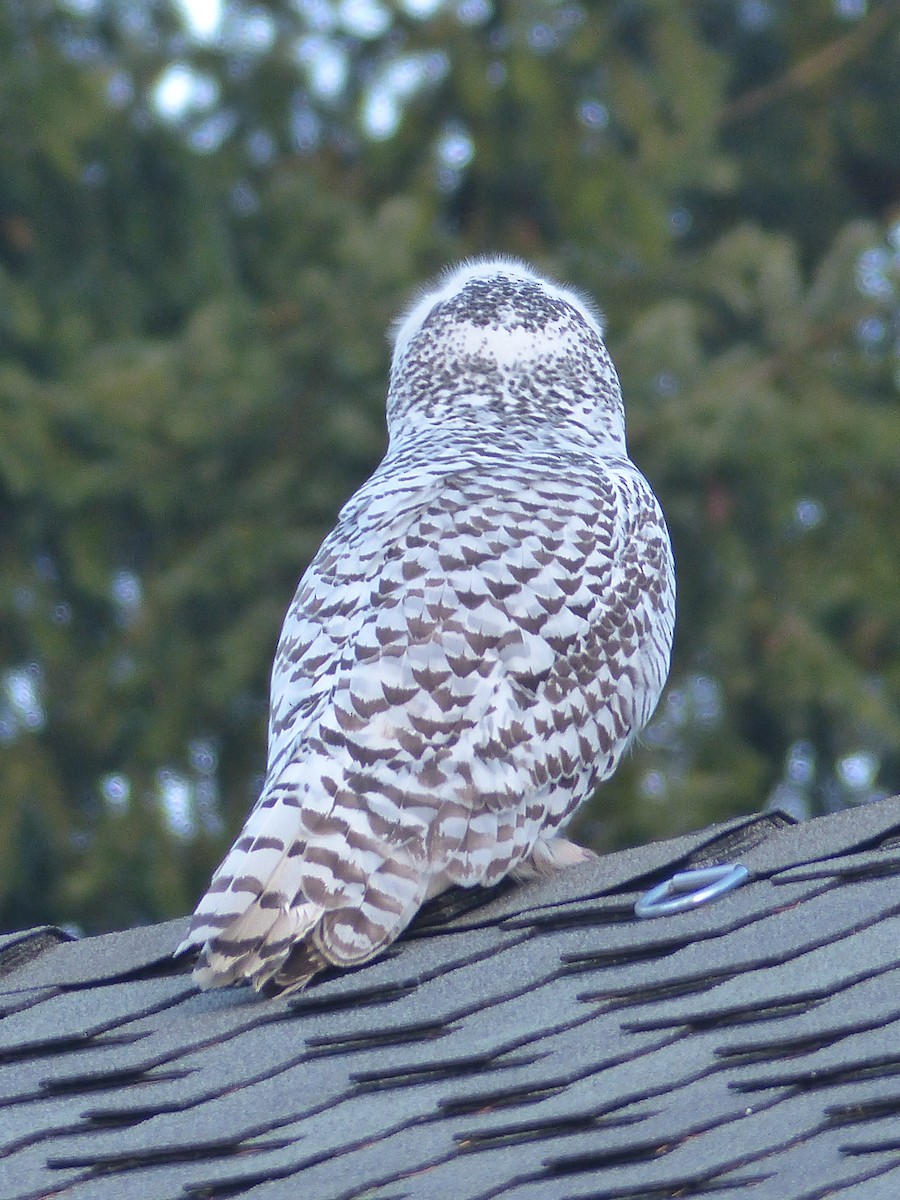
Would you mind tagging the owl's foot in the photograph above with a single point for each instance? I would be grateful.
(551, 856)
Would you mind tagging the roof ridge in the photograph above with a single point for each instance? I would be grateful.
(19, 948)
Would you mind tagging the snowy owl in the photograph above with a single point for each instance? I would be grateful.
(470, 652)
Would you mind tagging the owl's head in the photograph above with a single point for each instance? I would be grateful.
(493, 344)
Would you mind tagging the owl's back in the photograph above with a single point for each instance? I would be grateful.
(468, 655)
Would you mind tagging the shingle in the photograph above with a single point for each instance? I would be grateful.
(68, 1022)
(868, 864)
(93, 960)
(841, 833)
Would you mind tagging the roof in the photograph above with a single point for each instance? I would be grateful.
(538, 1041)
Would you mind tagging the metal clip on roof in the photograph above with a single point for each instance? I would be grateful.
(688, 889)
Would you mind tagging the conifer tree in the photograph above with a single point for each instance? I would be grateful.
(205, 235)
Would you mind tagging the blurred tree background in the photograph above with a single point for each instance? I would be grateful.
(210, 213)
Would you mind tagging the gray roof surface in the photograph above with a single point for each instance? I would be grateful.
(534, 1042)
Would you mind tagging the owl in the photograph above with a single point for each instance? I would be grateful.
(470, 652)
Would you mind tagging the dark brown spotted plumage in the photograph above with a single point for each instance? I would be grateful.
(472, 649)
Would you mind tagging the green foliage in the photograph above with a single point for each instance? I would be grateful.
(192, 318)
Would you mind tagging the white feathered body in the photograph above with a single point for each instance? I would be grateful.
(470, 652)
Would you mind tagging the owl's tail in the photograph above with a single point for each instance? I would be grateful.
(288, 902)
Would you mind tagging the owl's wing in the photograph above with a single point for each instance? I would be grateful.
(448, 687)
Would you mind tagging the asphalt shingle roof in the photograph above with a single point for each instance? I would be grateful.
(532, 1042)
